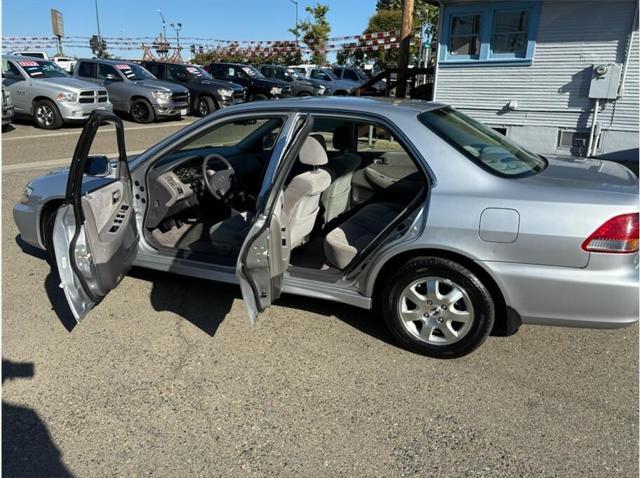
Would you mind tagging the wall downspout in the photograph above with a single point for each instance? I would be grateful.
(627, 55)
(596, 107)
(437, 62)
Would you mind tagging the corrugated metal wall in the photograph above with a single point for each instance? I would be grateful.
(625, 115)
(553, 90)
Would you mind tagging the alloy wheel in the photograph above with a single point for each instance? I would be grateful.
(436, 310)
(203, 107)
(45, 115)
(140, 112)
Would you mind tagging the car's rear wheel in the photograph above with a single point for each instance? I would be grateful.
(205, 105)
(142, 111)
(46, 115)
(260, 97)
(304, 93)
(437, 307)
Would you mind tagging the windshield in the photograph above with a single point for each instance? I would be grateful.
(481, 144)
(134, 72)
(197, 72)
(42, 69)
(252, 72)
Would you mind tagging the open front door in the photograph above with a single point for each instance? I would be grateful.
(95, 236)
(264, 256)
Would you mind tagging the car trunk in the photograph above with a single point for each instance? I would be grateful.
(573, 197)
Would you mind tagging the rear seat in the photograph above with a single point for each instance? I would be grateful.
(343, 243)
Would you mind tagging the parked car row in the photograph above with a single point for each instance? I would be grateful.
(149, 90)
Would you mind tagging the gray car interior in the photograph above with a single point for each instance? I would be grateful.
(334, 204)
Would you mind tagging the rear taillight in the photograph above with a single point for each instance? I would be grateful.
(617, 235)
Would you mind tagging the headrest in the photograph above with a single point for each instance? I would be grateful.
(343, 138)
(312, 153)
(320, 139)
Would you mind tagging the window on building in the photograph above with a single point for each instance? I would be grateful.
(510, 31)
(465, 35)
(489, 32)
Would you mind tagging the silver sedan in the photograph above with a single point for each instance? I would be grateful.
(449, 229)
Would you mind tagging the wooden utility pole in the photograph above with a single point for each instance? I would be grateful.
(403, 53)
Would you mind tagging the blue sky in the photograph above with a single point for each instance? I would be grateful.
(223, 19)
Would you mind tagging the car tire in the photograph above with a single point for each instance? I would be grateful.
(47, 229)
(304, 93)
(141, 111)
(46, 115)
(204, 105)
(259, 97)
(453, 310)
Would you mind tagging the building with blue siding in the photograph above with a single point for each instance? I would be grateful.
(560, 77)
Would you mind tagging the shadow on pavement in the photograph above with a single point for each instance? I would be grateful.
(52, 286)
(27, 447)
(206, 303)
(203, 303)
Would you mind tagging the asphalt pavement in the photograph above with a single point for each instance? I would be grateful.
(166, 378)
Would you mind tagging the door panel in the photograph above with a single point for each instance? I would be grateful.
(264, 256)
(95, 235)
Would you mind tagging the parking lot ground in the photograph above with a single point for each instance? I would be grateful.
(166, 378)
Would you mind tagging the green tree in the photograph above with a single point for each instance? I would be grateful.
(315, 32)
(388, 17)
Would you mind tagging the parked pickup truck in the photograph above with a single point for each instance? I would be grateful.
(258, 86)
(135, 91)
(299, 86)
(207, 93)
(44, 91)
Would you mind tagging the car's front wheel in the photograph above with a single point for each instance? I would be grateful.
(46, 115)
(204, 106)
(142, 111)
(437, 307)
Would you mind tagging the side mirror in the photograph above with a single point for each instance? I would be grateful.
(97, 166)
(112, 77)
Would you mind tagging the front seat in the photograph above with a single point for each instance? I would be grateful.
(335, 199)
(300, 205)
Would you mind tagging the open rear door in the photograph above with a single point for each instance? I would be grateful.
(264, 256)
(95, 236)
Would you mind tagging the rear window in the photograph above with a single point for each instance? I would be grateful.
(481, 144)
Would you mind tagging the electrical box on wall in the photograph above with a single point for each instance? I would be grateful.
(605, 79)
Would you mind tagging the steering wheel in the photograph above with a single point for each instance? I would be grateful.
(218, 180)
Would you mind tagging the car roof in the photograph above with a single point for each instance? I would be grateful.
(354, 104)
(109, 61)
(22, 57)
(165, 62)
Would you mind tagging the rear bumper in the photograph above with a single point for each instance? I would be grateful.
(599, 296)
(80, 111)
